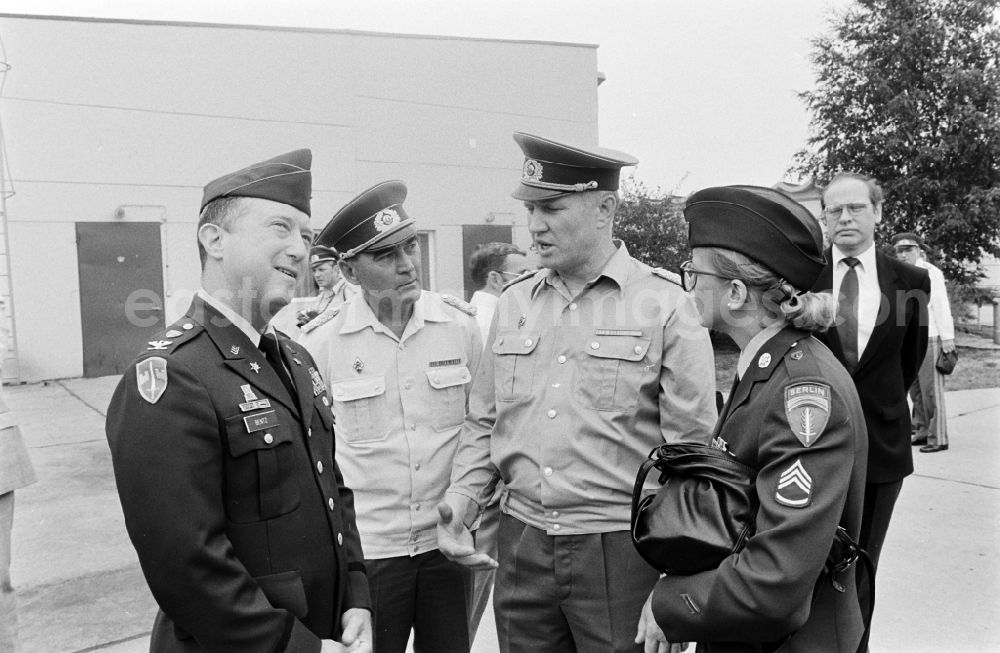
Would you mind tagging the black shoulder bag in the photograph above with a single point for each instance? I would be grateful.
(705, 510)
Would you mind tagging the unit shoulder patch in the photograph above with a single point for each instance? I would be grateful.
(667, 275)
(151, 378)
(455, 302)
(807, 407)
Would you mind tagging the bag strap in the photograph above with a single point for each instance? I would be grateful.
(640, 482)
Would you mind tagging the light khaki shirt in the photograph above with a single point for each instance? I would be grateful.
(398, 404)
(578, 391)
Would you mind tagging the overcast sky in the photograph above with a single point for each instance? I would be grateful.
(703, 93)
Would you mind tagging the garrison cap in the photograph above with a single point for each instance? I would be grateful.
(907, 238)
(762, 223)
(372, 221)
(552, 169)
(320, 254)
(286, 179)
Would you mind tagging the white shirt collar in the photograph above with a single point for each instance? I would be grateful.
(758, 341)
(238, 320)
(867, 258)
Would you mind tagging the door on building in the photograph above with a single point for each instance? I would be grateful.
(474, 235)
(121, 292)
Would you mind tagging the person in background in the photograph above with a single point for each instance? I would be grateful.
(930, 419)
(880, 337)
(595, 360)
(333, 288)
(491, 266)
(399, 361)
(16, 472)
(222, 443)
(794, 416)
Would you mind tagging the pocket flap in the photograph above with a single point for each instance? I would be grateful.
(629, 348)
(242, 441)
(515, 342)
(354, 389)
(446, 377)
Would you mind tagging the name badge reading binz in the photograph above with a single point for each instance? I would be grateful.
(260, 421)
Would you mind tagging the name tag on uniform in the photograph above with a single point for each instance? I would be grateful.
(445, 363)
(618, 332)
(260, 421)
(255, 405)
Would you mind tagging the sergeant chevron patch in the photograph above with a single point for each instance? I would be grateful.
(807, 406)
(794, 486)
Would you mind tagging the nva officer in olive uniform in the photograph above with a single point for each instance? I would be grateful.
(223, 449)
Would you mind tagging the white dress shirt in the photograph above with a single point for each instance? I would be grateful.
(486, 306)
(238, 320)
(939, 323)
(869, 292)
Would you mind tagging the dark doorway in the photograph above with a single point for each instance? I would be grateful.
(480, 234)
(121, 292)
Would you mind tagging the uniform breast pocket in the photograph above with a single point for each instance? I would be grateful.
(361, 408)
(448, 395)
(611, 372)
(514, 364)
(261, 478)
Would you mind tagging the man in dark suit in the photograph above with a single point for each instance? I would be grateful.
(880, 337)
(222, 441)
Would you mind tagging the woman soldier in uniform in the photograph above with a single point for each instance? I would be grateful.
(794, 416)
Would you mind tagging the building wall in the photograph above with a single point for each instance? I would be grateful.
(127, 120)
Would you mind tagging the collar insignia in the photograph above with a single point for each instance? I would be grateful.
(158, 344)
(255, 366)
(764, 360)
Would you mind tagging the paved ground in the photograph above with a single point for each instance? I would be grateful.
(80, 588)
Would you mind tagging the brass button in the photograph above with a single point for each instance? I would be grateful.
(268, 438)
(319, 466)
(330, 503)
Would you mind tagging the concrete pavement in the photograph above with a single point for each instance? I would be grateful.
(80, 588)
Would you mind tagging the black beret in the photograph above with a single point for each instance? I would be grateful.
(286, 179)
(762, 223)
(552, 169)
(320, 254)
(374, 220)
(912, 238)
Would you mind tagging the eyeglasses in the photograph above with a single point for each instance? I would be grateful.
(689, 276)
(852, 209)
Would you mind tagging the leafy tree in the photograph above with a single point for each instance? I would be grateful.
(908, 91)
(652, 225)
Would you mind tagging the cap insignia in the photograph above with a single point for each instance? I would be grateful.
(532, 170)
(386, 219)
(807, 406)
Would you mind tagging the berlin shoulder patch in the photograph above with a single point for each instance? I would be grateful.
(807, 406)
(151, 378)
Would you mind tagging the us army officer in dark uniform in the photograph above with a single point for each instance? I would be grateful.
(794, 416)
(222, 442)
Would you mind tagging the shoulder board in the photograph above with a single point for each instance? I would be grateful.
(465, 307)
(328, 314)
(667, 275)
(174, 336)
(524, 275)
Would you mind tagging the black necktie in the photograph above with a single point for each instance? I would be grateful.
(847, 310)
(269, 346)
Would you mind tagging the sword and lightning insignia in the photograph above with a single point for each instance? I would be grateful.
(151, 378)
(807, 406)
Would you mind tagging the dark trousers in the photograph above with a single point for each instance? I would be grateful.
(880, 499)
(425, 593)
(568, 593)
